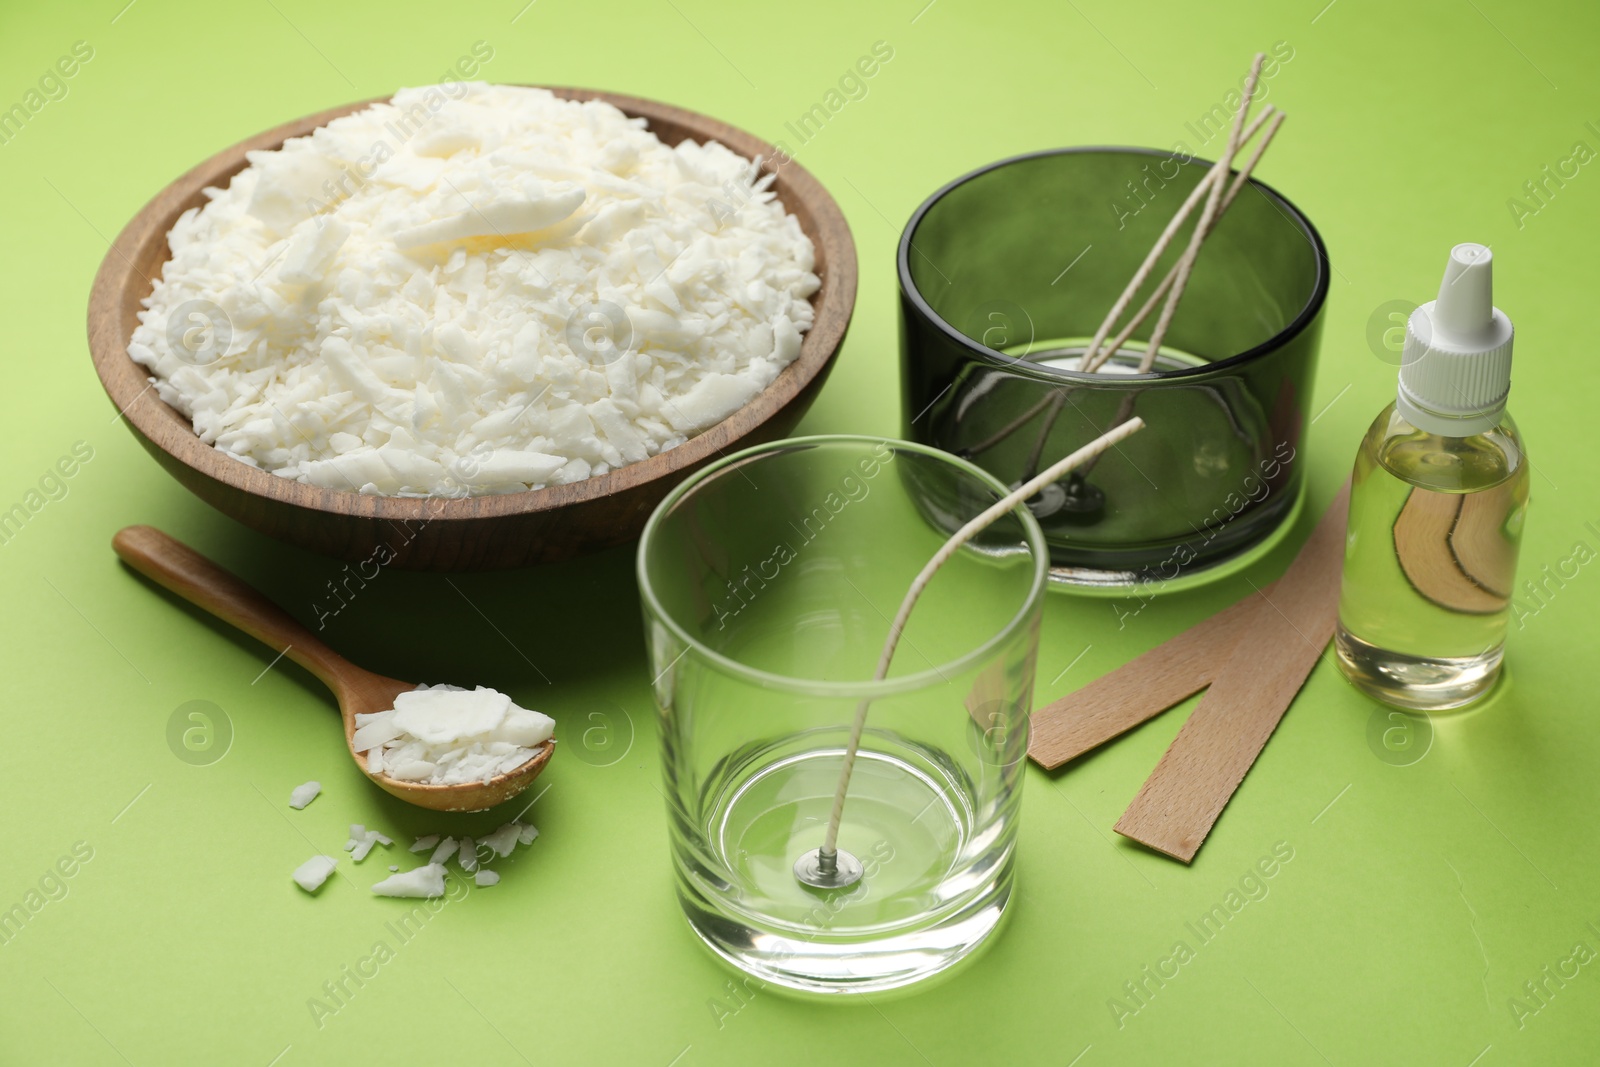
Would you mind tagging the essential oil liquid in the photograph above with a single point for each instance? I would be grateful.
(1430, 558)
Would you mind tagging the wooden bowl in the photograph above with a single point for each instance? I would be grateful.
(473, 533)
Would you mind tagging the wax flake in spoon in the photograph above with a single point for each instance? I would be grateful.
(445, 735)
(439, 716)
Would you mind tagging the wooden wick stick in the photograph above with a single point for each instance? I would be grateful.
(1186, 264)
(1143, 313)
(828, 855)
(1213, 176)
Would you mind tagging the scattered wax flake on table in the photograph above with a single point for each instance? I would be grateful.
(502, 840)
(302, 795)
(427, 881)
(500, 843)
(313, 872)
(527, 292)
(362, 840)
(446, 735)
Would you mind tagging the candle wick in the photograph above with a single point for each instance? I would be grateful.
(827, 856)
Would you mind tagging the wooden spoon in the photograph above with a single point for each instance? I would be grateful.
(177, 567)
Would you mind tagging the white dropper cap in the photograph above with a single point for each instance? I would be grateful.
(1455, 370)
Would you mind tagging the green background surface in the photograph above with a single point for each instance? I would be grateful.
(1429, 881)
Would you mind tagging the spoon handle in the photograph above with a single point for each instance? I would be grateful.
(179, 568)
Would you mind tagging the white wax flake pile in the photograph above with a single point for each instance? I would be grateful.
(302, 795)
(313, 872)
(481, 294)
(446, 735)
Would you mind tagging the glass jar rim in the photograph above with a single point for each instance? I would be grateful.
(983, 353)
(863, 688)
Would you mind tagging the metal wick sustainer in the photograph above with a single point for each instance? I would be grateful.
(824, 868)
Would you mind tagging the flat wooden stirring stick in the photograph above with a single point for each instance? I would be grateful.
(827, 867)
(1285, 636)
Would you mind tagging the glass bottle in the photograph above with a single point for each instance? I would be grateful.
(1437, 503)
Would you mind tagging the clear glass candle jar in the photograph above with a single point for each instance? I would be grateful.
(768, 582)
